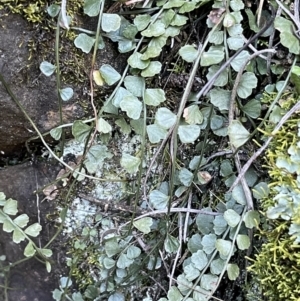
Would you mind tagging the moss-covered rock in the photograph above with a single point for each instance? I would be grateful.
(276, 266)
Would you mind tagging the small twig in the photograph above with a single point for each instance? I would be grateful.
(178, 250)
(153, 160)
(294, 109)
(187, 216)
(246, 189)
(296, 11)
(38, 206)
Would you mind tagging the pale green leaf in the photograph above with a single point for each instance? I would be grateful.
(156, 133)
(165, 118)
(235, 43)
(97, 153)
(109, 74)
(205, 222)
(240, 60)
(199, 259)
(221, 80)
(124, 262)
(91, 7)
(80, 130)
(243, 242)
(144, 224)
(229, 20)
(111, 247)
(56, 133)
(47, 68)
(174, 294)
(208, 243)
(193, 115)
(151, 52)
(180, 190)
(56, 294)
(158, 199)
(153, 68)
(237, 5)
(171, 244)
(124, 126)
(84, 42)
(209, 282)
(154, 97)
(233, 271)
(116, 297)
(251, 219)
(154, 30)
(194, 243)
(238, 194)
(191, 272)
(29, 251)
(186, 177)
(252, 108)
(18, 236)
(288, 40)
(10, 207)
(46, 252)
(65, 282)
(141, 21)
(217, 266)
(66, 93)
(174, 3)
(214, 55)
(246, 84)
(238, 135)
(188, 133)
(79, 173)
(261, 190)
(77, 296)
(188, 53)
(33, 230)
(2, 198)
(130, 163)
(48, 268)
(110, 22)
(135, 85)
(183, 284)
(220, 225)
(220, 98)
(120, 94)
(223, 246)
(216, 37)
(103, 126)
(187, 7)
(235, 30)
(199, 294)
(22, 220)
(3, 216)
(179, 20)
(132, 106)
(231, 217)
(135, 61)
(53, 10)
(133, 252)
(8, 226)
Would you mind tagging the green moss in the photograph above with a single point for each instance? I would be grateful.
(276, 267)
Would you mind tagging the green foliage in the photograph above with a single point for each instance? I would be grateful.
(107, 258)
(20, 231)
